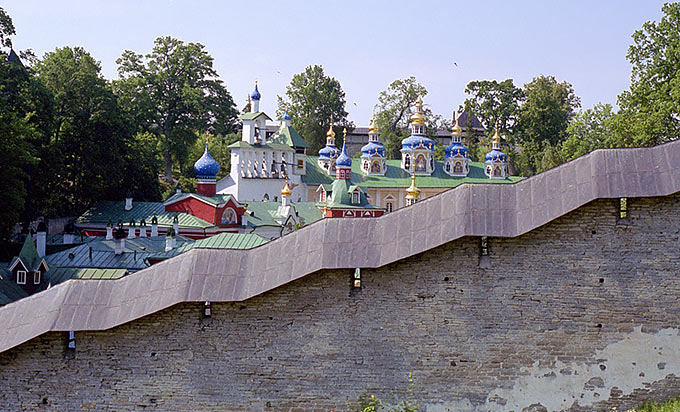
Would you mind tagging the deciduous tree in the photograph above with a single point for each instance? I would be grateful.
(174, 93)
(394, 110)
(495, 104)
(650, 109)
(311, 99)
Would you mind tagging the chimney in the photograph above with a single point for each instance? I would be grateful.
(128, 203)
(142, 228)
(68, 234)
(132, 230)
(170, 240)
(41, 239)
(154, 226)
(119, 242)
(175, 224)
(109, 230)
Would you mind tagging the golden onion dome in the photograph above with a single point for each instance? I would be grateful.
(456, 128)
(496, 137)
(412, 192)
(418, 117)
(372, 127)
(330, 132)
(286, 191)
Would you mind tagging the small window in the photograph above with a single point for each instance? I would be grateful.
(389, 206)
(300, 164)
(71, 343)
(357, 278)
(355, 197)
(484, 246)
(36, 277)
(322, 196)
(21, 277)
(623, 207)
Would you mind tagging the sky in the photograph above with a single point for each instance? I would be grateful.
(363, 44)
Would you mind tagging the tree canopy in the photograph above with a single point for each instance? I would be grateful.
(650, 109)
(394, 109)
(311, 99)
(174, 93)
(495, 104)
(6, 29)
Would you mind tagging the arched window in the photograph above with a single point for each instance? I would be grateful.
(407, 161)
(229, 217)
(458, 168)
(447, 167)
(355, 197)
(497, 172)
(421, 163)
(265, 197)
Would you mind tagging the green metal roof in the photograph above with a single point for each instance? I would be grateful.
(395, 176)
(28, 255)
(289, 137)
(341, 196)
(58, 275)
(10, 291)
(264, 213)
(254, 115)
(214, 200)
(101, 212)
(103, 254)
(271, 145)
(220, 241)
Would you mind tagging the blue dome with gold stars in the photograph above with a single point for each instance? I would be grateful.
(373, 148)
(456, 149)
(206, 166)
(417, 141)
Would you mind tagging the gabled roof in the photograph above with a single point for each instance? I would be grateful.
(14, 58)
(28, 256)
(220, 241)
(215, 200)
(115, 211)
(341, 197)
(237, 275)
(265, 213)
(395, 176)
(469, 120)
(254, 115)
(289, 137)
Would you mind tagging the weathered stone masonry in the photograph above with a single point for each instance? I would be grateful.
(584, 309)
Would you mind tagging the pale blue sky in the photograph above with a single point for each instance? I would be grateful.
(364, 44)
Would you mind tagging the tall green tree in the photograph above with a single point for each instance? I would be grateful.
(90, 157)
(394, 109)
(591, 129)
(311, 99)
(6, 29)
(542, 124)
(495, 104)
(174, 93)
(650, 109)
(547, 110)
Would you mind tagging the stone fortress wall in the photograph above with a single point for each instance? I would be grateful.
(573, 308)
(581, 313)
